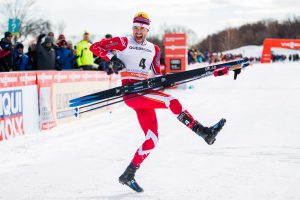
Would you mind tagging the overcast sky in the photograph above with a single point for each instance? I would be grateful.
(202, 16)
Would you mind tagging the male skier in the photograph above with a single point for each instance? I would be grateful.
(134, 59)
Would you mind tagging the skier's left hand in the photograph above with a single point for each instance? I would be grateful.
(116, 64)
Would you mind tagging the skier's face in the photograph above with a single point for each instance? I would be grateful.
(140, 34)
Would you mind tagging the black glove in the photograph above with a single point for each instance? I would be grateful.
(40, 37)
(116, 64)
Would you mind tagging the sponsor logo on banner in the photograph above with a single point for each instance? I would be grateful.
(74, 77)
(62, 104)
(11, 114)
(6, 80)
(27, 79)
(46, 117)
(175, 47)
(176, 56)
(60, 77)
(291, 45)
(173, 39)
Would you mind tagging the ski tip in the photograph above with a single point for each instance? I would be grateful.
(76, 112)
(74, 100)
(71, 105)
(81, 99)
(74, 105)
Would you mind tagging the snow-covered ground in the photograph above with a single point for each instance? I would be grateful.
(256, 51)
(256, 156)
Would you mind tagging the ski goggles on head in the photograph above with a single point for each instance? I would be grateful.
(141, 19)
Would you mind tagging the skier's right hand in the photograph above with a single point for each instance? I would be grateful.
(116, 64)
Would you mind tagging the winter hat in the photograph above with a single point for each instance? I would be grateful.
(7, 34)
(19, 46)
(61, 36)
(108, 36)
(141, 19)
(48, 39)
(51, 34)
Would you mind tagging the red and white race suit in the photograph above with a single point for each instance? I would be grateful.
(139, 60)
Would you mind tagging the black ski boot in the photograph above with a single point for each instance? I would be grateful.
(127, 178)
(207, 133)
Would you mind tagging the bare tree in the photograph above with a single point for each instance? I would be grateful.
(251, 34)
(61, 26)
(192, 36)
(293, 24)
(228, 39)
(30, 24)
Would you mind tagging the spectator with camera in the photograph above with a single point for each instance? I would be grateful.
(60, 38)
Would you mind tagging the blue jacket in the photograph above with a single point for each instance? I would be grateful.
(65, 58)
(20, 61)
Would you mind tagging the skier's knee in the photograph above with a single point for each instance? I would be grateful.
(149, 144)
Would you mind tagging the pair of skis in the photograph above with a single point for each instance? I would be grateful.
(115, 95)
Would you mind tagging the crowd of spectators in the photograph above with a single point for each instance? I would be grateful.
(196, 56)
(46, 53)
(294, 57)
(281, 57)
(277, 57)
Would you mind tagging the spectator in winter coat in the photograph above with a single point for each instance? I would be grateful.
(45, 53)
(3, 53)
(6, 53)
(84, 55)
(20, 59)
(32, 56)
(65, 58)
(71, 47)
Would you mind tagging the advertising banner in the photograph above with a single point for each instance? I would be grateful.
(270, 43)
(175, 52)
(11, 113)
(34, 101)
(57, 88)
(16, 91)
